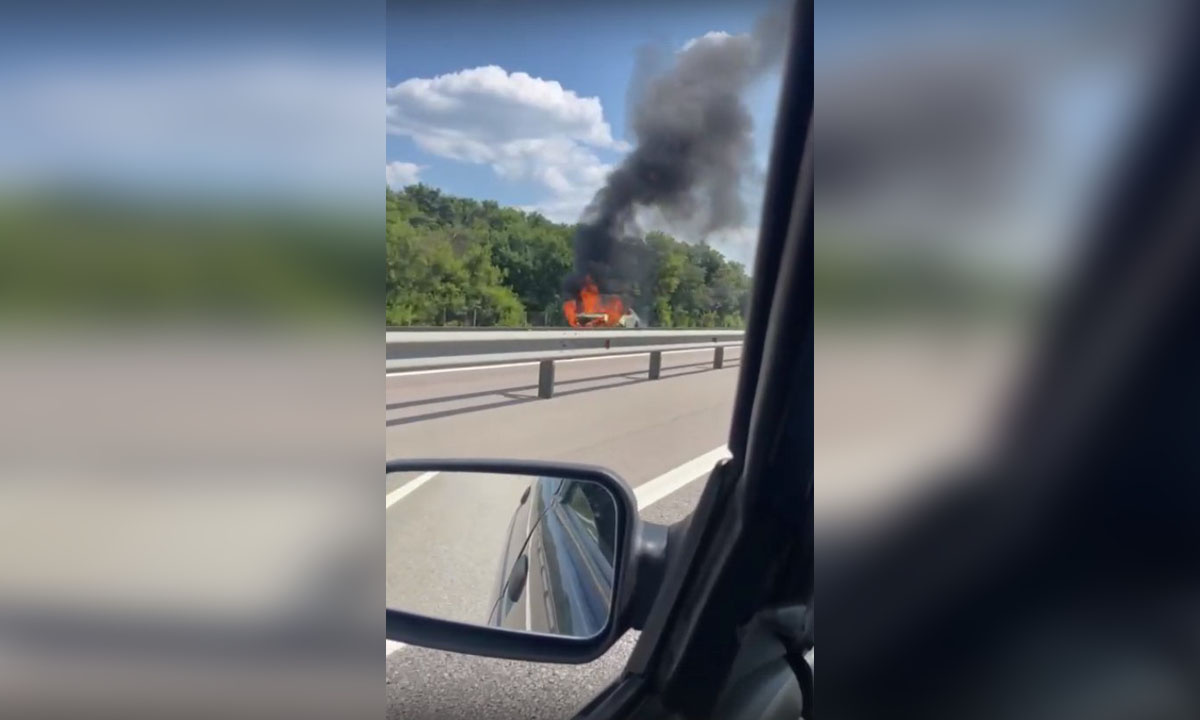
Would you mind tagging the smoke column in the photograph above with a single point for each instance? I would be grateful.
(694, 142)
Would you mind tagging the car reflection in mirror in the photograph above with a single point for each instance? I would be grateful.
(556, 571)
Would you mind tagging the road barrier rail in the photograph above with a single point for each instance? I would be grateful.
(411, 351)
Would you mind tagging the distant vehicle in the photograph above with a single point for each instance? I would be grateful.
(593, 309)
(556, 570)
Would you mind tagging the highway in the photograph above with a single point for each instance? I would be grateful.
(605, 412)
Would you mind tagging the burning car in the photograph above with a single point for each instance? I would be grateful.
(590, 308)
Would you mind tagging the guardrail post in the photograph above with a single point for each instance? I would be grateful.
(719, 357)
(655, 365)
(546, 379)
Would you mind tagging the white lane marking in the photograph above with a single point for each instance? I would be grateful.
(401, 492)
(651, 492)
(398, 373)
(647, 494)
(395, 496)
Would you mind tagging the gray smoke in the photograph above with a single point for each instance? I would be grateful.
(694, 143)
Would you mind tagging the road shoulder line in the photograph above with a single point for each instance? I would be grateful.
(654, 490)
(401, 492)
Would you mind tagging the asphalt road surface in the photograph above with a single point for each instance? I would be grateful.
(604, 412)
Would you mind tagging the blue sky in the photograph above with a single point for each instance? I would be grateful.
(589, 51)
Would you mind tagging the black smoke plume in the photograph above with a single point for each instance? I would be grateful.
(694, 143)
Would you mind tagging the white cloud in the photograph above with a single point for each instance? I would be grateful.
(400, 174)
(714, 36)
(488, 104)
(523, 127)
(563, 208)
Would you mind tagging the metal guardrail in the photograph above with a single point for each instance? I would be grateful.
(444, 349)
(409, 337)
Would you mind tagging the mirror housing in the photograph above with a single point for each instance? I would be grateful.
(639, 559)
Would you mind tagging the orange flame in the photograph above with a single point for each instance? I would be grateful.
(591, 309)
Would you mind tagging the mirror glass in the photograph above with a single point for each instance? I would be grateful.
(520, 552)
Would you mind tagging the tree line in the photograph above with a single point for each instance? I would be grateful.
(458, 261)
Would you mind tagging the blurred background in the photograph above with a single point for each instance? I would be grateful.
(190, 297)
(960, 151)
(997, 533)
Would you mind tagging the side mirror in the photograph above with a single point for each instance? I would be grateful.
(537, 561)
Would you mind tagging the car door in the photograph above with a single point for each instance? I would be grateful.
(510, 596)
(557, 575)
